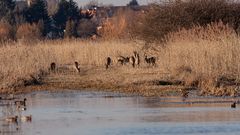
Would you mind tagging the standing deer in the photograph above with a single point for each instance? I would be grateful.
(150, 60)
(53, 67)
(137, 57)
(123, 60)
(109, 61)
(77, 66)
(133, 60)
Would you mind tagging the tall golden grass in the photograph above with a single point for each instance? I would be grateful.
(203, 55)
(28, 32)
(21, 61)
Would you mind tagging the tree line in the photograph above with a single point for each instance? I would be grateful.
(62, 23)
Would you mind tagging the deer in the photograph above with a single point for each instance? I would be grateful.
(53, 67)
(109, 62)
(133, 60)
(150, 60)
(77, 66)
(137, 57)
(123, 60)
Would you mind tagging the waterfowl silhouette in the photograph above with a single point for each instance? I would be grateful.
(233, 105)
(13, 119)
(21, 108)
(26, 118)
(19, 103)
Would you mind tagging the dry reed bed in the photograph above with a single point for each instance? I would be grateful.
(20, 61)
(206, 58)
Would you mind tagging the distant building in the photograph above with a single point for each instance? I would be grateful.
(30, 2)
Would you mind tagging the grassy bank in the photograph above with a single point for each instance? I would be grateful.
(25, 65)
(206, 58)
(20, 60)
(201, 58)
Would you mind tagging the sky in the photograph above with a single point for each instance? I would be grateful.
(114, 2)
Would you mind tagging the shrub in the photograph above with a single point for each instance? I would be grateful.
(86, 28)
(168, 17)
(6, 32)
(36, 13)
(115, 27)
(204, 57)
(28, 32)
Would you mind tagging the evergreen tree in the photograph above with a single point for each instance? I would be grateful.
(67, 10)
(73, 11)
(133, 3)
(60, 18)
(38, 11)
(6, 10)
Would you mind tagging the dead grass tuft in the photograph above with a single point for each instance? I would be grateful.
(6, 32)
(115, 27)
(201, 55)
(28, 33)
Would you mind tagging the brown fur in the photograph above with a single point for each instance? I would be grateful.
(109, 61)
(53, 66)
(137, 57)
(123, 60)
(150, 60)
(77, 66)
(133, 60)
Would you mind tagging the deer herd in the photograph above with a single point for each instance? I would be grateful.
(133, 60)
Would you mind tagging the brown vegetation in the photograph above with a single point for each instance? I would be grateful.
(28, 32)
(163, 18)
(21, 62)
(200, 51)
(115, 27)
(86, 28)
(201, 56)
(6, 32)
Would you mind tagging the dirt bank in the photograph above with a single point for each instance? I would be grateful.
(144, 81)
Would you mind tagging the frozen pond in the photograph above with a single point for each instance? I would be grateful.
(94, 113)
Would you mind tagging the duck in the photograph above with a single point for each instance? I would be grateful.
(21, 102)
(233, 105)
(20, 108)
(23, 108)
(26, 118)
(13, 119)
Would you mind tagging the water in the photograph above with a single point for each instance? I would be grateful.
(92, 113)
